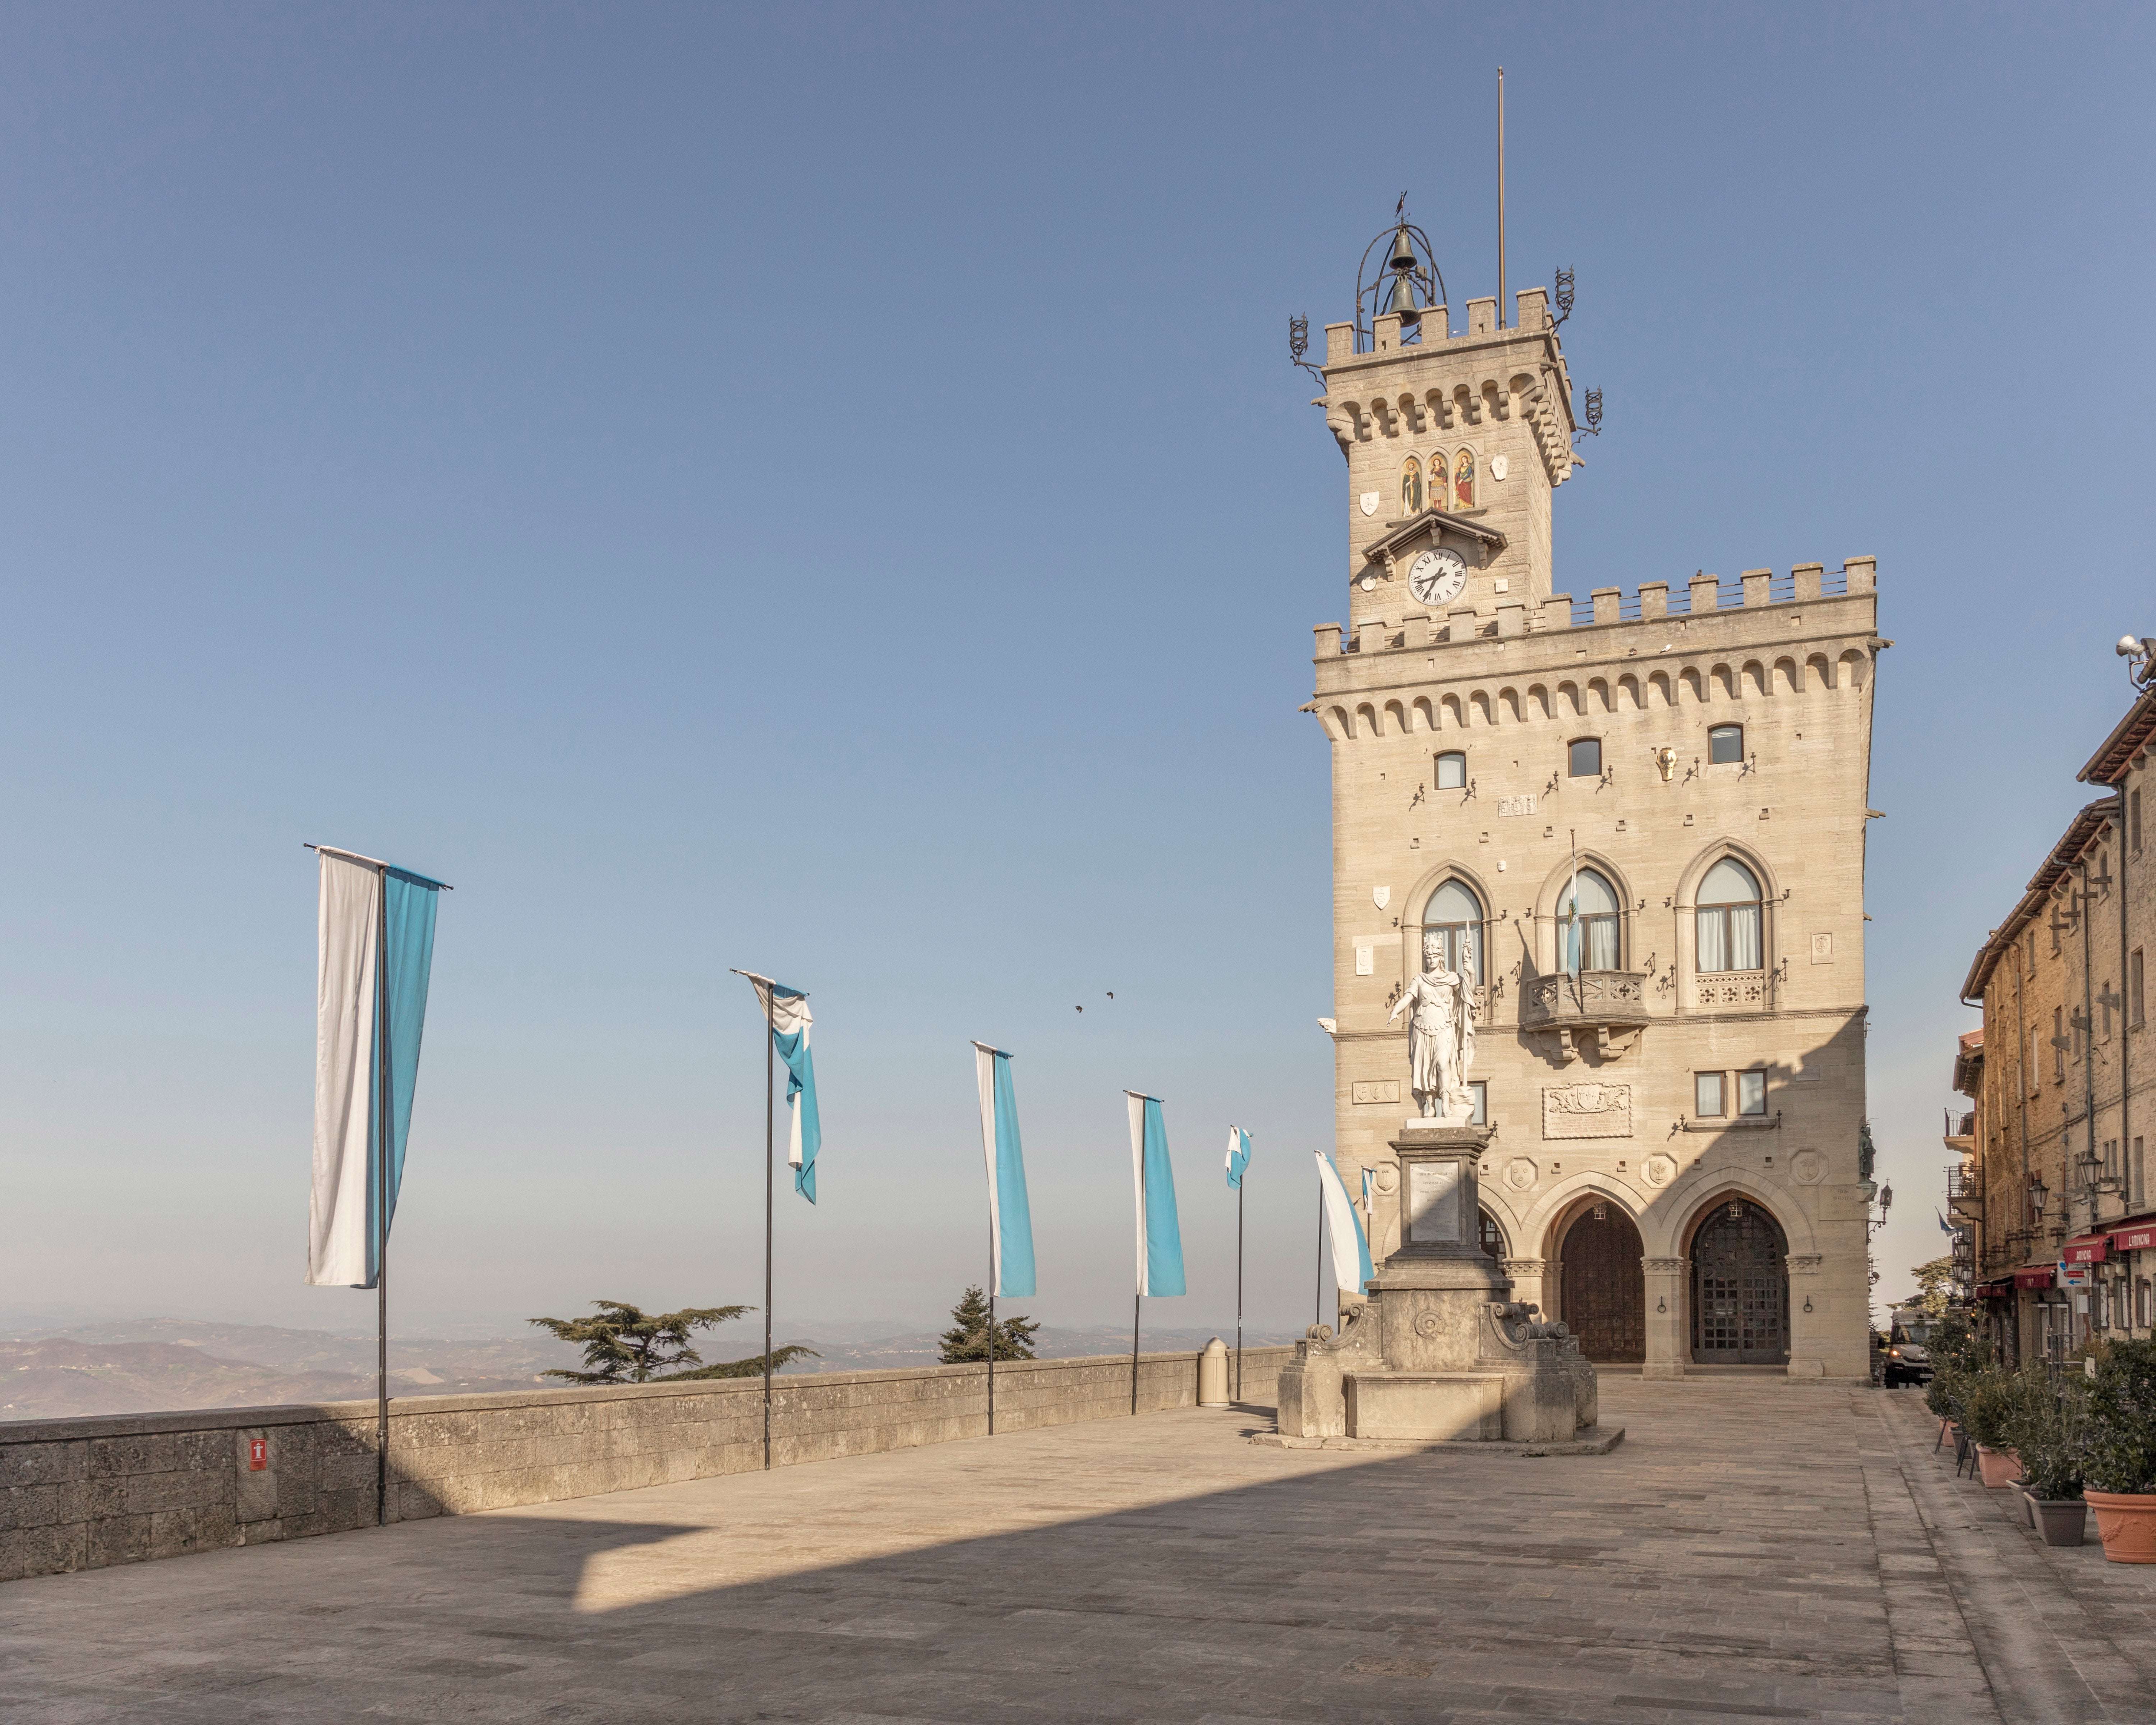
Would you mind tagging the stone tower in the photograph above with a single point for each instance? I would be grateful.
(1635, 823)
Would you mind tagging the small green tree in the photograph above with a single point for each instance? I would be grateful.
(1934, 1285)
(625, 1344)
(968, 1340)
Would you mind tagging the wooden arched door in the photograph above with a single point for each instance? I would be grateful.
(1605, 1286)
(1740, 1288)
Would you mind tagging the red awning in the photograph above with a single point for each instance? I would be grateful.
(2088, 1248)
(1994, 1290)
(2134, 1237)
(2039, 1277)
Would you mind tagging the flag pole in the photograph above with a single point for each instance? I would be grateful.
(770, 1032)
(1239, 1289)
(384, 1098)
(1318, 1307)
(1136, 1301)
(992, 1329)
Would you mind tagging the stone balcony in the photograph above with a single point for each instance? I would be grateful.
(1602, 1009)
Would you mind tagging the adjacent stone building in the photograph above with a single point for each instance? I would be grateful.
(2051, 1184)
(1636, 822)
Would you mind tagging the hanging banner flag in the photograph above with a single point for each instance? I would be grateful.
(375, 948)
(1160, 1239)
(1010, 1218)
(787, 1011)
(1352, 1268)
(1239, 1157)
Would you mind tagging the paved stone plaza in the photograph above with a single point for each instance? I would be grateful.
(1753, 1550)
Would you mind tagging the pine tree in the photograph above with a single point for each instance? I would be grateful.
(969, 1340)
(1934, 1286)
(626, 1345)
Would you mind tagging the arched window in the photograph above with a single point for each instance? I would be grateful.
(1411, 487)
(1440, 487)
(1463, 479)
(1586, 917)
(1454, 915)
(1729, 918)
(1490, 1235)
(1452, 771)
(1725, 743)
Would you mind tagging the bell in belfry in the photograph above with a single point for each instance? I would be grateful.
(1402, 303)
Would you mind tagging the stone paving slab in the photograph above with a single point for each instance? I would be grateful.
(1753, 1551)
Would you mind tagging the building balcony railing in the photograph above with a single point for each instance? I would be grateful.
(1747, 990)
(1965, 1193)
(1603, 1009)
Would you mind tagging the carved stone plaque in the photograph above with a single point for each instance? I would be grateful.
(1382, 1090)
(1520, 1173)
(1808, 1166)
(1659, 1169)
(1586, 1111)
(1434, 1203)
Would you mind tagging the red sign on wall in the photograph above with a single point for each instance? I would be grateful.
(258, 1454)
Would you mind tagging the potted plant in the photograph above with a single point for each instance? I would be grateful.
(2045, 1427)
(2119, 1439)
(1988, 1403)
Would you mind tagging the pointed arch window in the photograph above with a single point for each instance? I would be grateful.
(1588, 923)
(1463, 479)
(1454, 915)
(1729, 918)
(1441, 488)
(1411, 487)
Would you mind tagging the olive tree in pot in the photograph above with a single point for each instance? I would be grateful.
(1988, 1403)
(2119, 1466)
(2046, 1429)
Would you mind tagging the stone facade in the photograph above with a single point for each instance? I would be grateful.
(2062, 1078)
(82, 1494)
(1591, 1074)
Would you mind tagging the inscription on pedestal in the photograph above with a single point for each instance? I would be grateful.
(1434, 1203)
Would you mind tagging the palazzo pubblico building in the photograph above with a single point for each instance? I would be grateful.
(1634, 823)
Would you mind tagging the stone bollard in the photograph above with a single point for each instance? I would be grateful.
(1213, 1375)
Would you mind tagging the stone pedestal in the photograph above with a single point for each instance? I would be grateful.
(1439, 1352)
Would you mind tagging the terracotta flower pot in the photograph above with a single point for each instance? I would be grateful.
(2126, 1523)
(2060, 1520)
(1999, 1467)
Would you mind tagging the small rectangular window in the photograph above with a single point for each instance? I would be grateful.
(2035, 1062)
(1707, 1098)
(2138, 1175)
(1479, 1089)
(1751, 1092)
(2104, 997)
(2111, 1158)
(2137, 999)
(1586, 758)
(1725, 743)
(2133, 818)
(2028, 945)
(1452, 771)
(2058, 1045)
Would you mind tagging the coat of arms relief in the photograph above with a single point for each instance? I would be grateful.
(1586, 1111)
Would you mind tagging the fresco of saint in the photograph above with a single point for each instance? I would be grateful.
(1411, 487)
(1463, 478)
(1437, 482)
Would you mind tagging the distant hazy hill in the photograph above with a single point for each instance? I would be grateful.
(168, 1364)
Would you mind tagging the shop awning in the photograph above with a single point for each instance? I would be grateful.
(2037, 1276)
(1994, 1290)
(2134, 1237)
(2086, 1249)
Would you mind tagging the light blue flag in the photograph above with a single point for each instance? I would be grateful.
(1352, 1268)
(1239, 1157)
(376, 930)
(1159, 1240)
(1010, 1218)
(787, 1011)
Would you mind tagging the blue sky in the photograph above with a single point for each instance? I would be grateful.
(821, 489)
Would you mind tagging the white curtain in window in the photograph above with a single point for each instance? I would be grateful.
(1744, 937)
(1713, 941)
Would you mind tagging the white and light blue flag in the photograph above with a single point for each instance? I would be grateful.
(1239, 1157)
(1352, 1268)
(1160, 1241)
(787, 1010)
(1010, 1218)
(375, 950)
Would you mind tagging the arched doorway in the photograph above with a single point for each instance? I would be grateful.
(1740, 1287)
(1601, 1284)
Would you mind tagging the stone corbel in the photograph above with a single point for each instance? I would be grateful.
(1342, 429)
(1441, 410)
(1804, 1263)
(1666, 1266)
(1413, 411)
(1557, 1046)
(1615, 1044)
(1494, 395)
(1469, 404)
(1387, 421)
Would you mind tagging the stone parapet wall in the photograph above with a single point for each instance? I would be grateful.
(82, 1494)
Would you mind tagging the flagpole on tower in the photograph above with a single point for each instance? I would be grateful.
(1238, 1293)
(1501, 198)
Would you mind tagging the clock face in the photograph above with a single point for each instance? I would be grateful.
(1437, 576)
